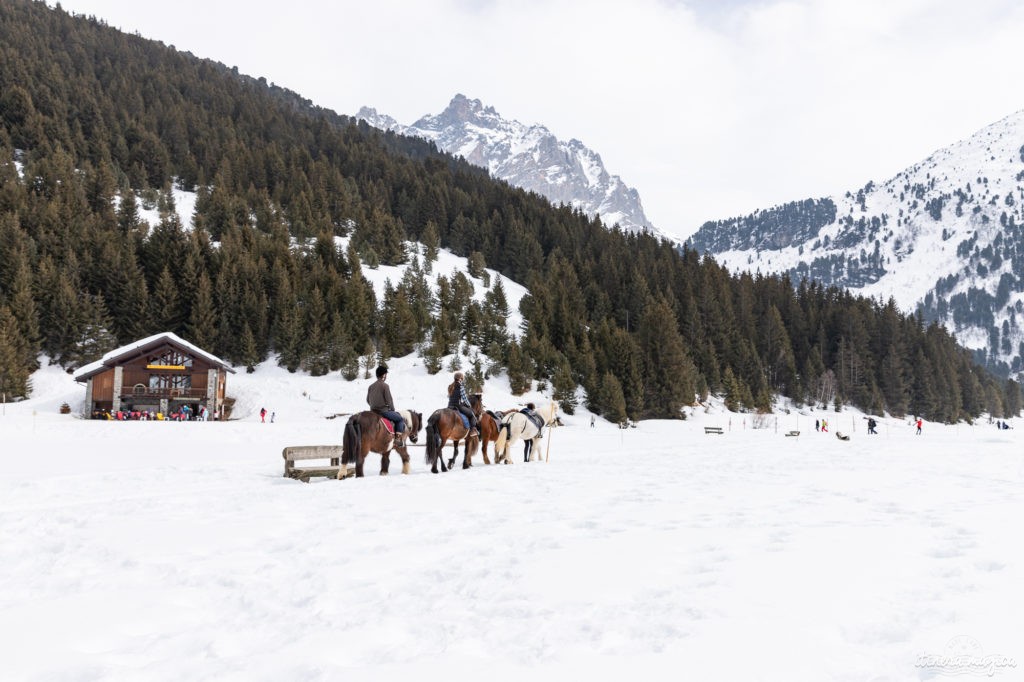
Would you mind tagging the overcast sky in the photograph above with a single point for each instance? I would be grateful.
(708, 108)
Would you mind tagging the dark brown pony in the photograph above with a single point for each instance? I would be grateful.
(445, 425)
(488, 429)
(364, 433)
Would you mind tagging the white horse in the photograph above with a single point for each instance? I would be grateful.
(517, 426)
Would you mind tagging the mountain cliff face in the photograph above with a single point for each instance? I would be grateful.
(945, 237)
(526, 156)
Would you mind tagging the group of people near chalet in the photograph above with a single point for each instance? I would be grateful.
(181, 414)
(378, 397)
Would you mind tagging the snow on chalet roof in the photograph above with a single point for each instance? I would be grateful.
(111, 358)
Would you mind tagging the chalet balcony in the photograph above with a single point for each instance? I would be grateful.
(148, 393)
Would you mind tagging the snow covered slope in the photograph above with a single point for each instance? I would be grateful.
(945, 236)
(526, 156)
(177, 551)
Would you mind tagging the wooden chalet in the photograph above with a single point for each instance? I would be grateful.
(160, 374)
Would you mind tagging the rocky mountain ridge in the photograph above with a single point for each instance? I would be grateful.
(526, 156)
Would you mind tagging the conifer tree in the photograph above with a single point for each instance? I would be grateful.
(733, 393)
(339, 348)
(315, 354)
(94, 337)
(165, 305)
(475, 265)
(433, 357)
(127, 294)
(431, 242)
(249, 354)
(23, 308)
(360, 303)
(612, 402)
(475, 376)
(287, 328)
(202, 326)
(519, 369)
(564, 388)
(670, 378)
(14, 372)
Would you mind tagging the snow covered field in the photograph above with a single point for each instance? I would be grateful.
(161, 551)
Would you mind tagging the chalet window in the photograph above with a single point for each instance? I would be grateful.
(167, 381)
(170, 358)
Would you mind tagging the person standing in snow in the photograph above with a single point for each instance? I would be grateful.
(824, 426)
(263, 415)
(918, 426)
(817, 425)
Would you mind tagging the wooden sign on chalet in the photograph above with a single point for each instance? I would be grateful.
(159, 374)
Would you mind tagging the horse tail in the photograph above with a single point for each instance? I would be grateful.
(433, 440)
(499, 444)
(352, 441)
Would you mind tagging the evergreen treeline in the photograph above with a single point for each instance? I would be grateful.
(94, 122)
(790, 224)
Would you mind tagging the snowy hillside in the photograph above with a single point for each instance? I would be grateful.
(945, 236)
(166, 551)
(526, 156)
(380, 276)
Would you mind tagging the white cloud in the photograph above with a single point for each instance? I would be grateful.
(708, 109)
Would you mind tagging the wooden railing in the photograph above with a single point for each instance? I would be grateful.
(160, 393)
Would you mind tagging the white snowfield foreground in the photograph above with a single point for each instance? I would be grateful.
(161, 551)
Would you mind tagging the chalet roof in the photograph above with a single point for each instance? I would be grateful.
(137, 348)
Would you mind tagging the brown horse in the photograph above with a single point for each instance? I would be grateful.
(364, 433)
(442, 426)
(488, 429)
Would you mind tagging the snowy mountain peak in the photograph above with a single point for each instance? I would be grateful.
(944, 236)
(527, 156)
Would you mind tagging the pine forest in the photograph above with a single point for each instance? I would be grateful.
(95, 123)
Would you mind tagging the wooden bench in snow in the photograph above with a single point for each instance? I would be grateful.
(713, 429)
(304, 453)
(793, 433)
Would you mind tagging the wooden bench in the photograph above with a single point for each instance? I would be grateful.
(793, 433)
(713, 429)
(302, 453)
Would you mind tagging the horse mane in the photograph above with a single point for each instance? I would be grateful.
(552, 413)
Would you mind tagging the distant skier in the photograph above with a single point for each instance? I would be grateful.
(263, 415)
(871, 426)
(817, 425)
(919, 420)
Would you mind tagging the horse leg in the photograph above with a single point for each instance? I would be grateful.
(359, 463)
(467, 460)
(483, 448)
(404, 454)
(527, 450)
(385, 461)
(455, 453)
